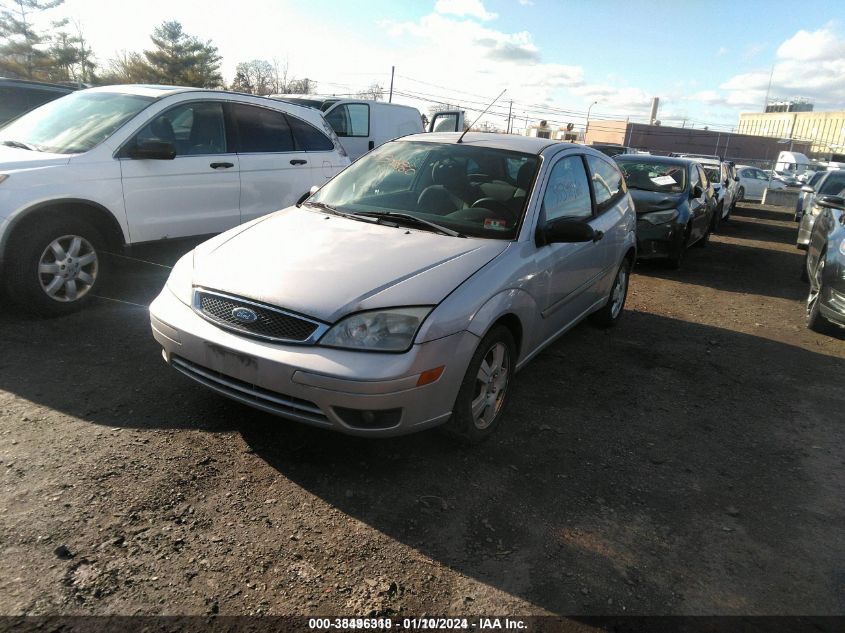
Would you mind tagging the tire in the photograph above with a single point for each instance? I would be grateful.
(805, 276)
(610, 313)
(716, 220)
(705, 239)
(815, 321)
(740, 195)
(54, 266)
(472, 425)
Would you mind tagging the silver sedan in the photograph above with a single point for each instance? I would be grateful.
(408, 290)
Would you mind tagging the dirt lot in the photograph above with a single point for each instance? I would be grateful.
(687, 462)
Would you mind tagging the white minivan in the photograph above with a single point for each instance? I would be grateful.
(118, 165)
(362, 124)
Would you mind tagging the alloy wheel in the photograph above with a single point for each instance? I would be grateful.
(68, 268)
(620, 289)
(491, 384)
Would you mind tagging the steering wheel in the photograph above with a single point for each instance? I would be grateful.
(492, 204)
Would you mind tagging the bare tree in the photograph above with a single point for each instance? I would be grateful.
(373, 92)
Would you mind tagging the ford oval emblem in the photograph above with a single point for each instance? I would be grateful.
(244, 315)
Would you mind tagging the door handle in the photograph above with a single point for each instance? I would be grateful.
(221, 165)
(597, 235)
(298, 161)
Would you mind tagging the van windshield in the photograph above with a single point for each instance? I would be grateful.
(73, 124)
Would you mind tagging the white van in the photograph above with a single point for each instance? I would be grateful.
(362, 124)
(792, 163)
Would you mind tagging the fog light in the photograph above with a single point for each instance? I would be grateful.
(368, 419)
(430, 375)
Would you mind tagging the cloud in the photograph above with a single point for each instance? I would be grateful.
(722, 51)
(821, 44)
(509, 51)
(471, 8)
(526, 3)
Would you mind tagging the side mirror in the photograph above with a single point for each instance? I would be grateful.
(306, 195)
(566, 231)
(736, 178)
(808, 189)
(696, 191)
(727, 180)
(831, 202)
(152, 149)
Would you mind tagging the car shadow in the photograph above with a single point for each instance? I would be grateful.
(606, 488)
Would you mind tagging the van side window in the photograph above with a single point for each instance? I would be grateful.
(308, 138)
(262, 130)
(351, 119)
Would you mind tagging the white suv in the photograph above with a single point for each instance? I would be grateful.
(107, 167)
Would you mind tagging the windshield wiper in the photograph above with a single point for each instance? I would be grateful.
(327, 207)
(411, 219)
(19, 145)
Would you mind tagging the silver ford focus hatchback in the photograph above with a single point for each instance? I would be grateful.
(408, 290)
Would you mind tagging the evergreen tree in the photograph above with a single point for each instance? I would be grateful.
(180, 59)
(23, 53)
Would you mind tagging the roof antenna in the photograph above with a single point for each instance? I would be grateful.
(460, 138)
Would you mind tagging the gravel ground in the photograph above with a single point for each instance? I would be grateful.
(688, 461)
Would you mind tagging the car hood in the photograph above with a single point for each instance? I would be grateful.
(326, 266)
(646, 201)
(14, 158)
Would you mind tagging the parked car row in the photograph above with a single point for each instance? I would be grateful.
(675, 203)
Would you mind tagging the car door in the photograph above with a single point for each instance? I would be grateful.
(568, 271)
(353, 125)
(274, 173)
(195, 193)
(323, 157)
(698, 204)
(611, 205)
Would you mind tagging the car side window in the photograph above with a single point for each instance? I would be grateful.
(760, 175)
(351, 119)
(192, 129)
(308, 138)
(703, 176)
(695, 178)
(608, 181)
(261, 130)
(567, 193)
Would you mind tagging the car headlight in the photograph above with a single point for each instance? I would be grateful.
(390, 330)
(180, 282)
(660, 217)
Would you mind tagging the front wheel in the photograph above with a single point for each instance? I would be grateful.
(484, 391)
(740, 195)
(54, 266)
(609, 314)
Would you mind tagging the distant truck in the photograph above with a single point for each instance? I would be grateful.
(361, 124)
(792, 164)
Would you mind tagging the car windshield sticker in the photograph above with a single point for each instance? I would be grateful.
(495, 224)
(664, 180)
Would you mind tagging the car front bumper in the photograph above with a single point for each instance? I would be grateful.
(656, 241)
(359, 393)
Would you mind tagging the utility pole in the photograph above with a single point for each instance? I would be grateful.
(510, 109)
(392, 70)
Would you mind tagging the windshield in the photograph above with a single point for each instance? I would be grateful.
(832, 185)
(714, 175)
(474, 191)
(653, 176)
(75, 123)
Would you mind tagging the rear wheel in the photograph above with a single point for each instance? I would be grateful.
(815, 320)
(484, 391)
(611, 312)
(54, 266)
(740, 195)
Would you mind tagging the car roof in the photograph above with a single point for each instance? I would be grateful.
(512, 142)
(41, 85)
(653, 158)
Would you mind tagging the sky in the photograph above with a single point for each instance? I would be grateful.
(706, 61)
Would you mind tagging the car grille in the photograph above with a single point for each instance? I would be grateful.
(272, 323)
(247, 393)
